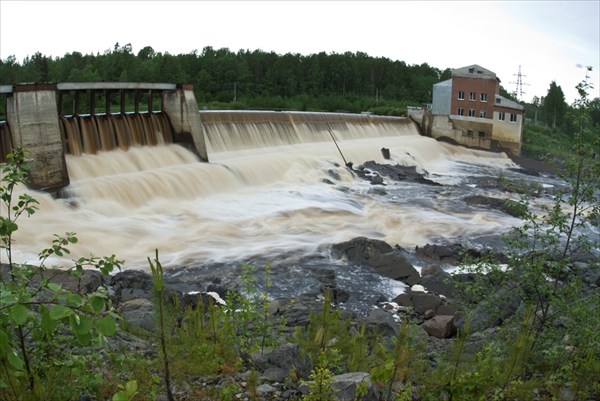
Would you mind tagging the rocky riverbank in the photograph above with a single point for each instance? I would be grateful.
(426, 294)
(428, 303)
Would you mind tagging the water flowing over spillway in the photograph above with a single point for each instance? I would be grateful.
(263, 196)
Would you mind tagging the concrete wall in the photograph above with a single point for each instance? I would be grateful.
(478, 133)
(181, 107)
(509, 134)
(33, 119)
(441, 98)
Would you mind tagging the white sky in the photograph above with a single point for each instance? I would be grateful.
(550, 40)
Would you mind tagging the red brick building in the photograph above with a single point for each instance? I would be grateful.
(469, 109)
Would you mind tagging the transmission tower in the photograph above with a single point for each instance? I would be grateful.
(518, 93)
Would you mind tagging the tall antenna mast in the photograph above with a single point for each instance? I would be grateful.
(518, 93)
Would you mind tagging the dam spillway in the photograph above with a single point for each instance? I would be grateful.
(55, 120)
(38, 122)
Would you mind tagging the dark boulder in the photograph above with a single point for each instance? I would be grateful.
(441, 326)
(283, 359)
(382, 323)
(378, 255)
(396, 173)
(131, 284)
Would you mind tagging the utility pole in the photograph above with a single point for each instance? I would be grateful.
(518, 93)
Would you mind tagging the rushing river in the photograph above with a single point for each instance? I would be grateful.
(253, 202)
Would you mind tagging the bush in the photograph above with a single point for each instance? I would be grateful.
(49, 336)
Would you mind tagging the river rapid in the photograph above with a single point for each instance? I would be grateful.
(282, 205)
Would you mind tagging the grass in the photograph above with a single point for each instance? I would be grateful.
(542, 143)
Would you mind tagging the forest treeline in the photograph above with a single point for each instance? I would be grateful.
(254, 79)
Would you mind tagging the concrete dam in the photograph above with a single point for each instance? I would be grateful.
(54, 120)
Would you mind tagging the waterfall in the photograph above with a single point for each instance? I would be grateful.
(91, 134)
(276, 184)
(228, 131)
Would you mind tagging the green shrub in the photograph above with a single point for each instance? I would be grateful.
(49, 336)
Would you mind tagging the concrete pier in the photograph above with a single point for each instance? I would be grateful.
(33, 121)
(181, 107)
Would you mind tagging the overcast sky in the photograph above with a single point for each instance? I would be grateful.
(550, 40)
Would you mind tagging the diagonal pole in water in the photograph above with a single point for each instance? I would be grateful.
(349, 165)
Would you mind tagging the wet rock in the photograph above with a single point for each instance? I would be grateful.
(347, 385)
(89, 281)
(377, 191)
(448, 310)
(138, 312)
(492, 312)
(218, 288)
(283, 359)
(425, 301)
(450, 254)
(431, 270)
(441, 283)
(297, 315)
(380, 256)
(396, 173)
(440, 326)
(494, 203)
(361, 249)
(131, 284)
(334, 174)
(404, 299)
(381, 322)
(265, 390)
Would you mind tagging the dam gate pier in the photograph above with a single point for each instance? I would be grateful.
(53, 120)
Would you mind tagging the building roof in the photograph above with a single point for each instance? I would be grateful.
(505, 102)
(447, 82)
(474, 71)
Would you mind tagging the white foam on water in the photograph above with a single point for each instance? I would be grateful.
(259, 201)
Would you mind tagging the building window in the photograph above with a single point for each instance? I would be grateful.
(513, 117)
(461, 95)
(470, 133)
(483, 114)
(472, 96)
(498, 100)
(481, 134)
(471, 112)
(501, 116)
(484, 97)
(461, 111)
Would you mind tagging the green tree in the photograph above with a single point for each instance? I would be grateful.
(554, 107)
(42, 325)
(551, 257)
(8, 70)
